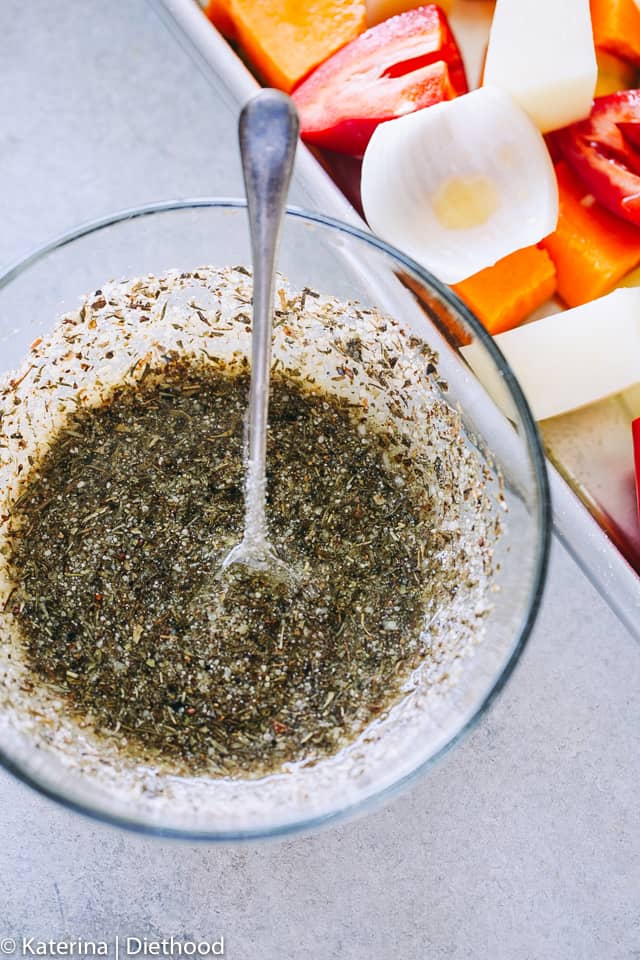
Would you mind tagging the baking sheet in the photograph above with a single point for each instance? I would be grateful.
(594, 458)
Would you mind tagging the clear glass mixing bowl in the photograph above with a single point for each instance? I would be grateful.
(340, 260)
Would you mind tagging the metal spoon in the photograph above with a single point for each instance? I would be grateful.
(268, 133)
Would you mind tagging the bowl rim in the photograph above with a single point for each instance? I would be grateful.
(543, 524)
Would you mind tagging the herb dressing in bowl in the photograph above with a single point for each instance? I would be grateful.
(132, 509)
(133, 493)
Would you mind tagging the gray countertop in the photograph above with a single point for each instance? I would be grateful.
(522, 843)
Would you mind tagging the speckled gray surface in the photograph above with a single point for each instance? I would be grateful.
(523, 844)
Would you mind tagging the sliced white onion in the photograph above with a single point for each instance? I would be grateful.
(569, 359)
(542, 53)
(461, 184)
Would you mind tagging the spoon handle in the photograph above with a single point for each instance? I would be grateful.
(268, 133)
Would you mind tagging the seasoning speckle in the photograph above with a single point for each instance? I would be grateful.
(121, 538)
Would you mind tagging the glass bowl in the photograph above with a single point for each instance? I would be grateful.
(342, 261)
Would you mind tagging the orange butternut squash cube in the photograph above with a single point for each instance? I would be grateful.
(616, 28)
(591, 248)
(286, 40)
(219, 13)
(504, 295)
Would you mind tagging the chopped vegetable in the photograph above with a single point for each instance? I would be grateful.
(604, 152)
(632, 279)
(569, 359)
(614, 74)
(616, 27)
(542, 53)
(343, 124)
(592, 250)
(460, 185)
(404, 64)
(346, 172)
(286, 40)
(219, 13)
(635, 429)
(504, 295)
(379, 10)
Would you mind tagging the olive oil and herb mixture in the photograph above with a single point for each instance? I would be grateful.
(121, 534)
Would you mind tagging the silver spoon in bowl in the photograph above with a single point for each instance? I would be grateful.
(268, 133)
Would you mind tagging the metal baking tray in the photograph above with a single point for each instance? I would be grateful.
(589, 452)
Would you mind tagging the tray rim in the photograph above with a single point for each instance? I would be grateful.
(574, 526)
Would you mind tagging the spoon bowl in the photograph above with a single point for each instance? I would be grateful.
(259, 557)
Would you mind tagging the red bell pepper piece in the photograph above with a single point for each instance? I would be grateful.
(635, 426)
(604, 152)
(346, 172)
(406, 63)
